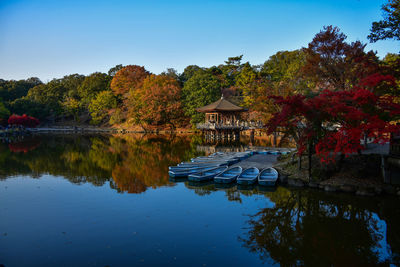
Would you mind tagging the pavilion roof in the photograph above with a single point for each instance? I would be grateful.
(221, 105)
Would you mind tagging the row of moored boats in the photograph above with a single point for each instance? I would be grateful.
(216, 167)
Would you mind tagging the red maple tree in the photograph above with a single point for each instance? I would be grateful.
(24, 120)
(334, 122)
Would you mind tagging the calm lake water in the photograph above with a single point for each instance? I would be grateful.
(107, 201)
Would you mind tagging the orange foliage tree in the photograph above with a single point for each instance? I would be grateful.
(128, 78)
(158, 102)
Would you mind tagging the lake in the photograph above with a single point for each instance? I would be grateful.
(108, 201)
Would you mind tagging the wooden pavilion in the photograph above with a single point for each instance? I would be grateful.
(222, 119)
(222, 112)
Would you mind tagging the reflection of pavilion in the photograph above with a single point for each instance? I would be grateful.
(223, 120)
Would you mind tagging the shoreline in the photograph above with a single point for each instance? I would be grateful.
(340, 183)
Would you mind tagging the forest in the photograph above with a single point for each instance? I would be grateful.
(132, 96)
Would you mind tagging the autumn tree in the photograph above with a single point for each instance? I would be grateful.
(128, 78)
(24, 120)
(158, 102)
(334, 121)
(332, 63)
(389, 27)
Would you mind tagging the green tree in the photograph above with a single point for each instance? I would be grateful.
(71, 107)
(92, 85)
(11, 90)
(71, 84)
(200, 90)
(50, 95)
(389, 27)
(189, 72)
(246, 84)
(29, 107)
(115, 69)
(283, 66)
(100, 105)
(4, 112)
(391, 62)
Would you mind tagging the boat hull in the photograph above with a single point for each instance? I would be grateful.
(268, 177)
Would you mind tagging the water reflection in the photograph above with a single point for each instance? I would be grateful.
(293, 227)
(131, 163)
(311, 228)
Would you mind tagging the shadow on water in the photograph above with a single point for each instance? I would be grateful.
(297, 227)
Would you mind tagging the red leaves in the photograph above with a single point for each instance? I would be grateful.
(24, 120)
(335, 121)
(24, 146)
(376, 79)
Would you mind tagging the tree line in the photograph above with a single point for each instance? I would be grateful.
(131, 95)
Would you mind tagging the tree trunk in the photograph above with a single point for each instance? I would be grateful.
(299, 163)
(309, 160)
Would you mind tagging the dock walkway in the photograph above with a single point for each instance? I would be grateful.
(257, 160)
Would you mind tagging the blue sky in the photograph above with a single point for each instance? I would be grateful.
(50, 39)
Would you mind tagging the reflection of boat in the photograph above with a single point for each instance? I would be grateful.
(187, 172)
(265, 189)
(206, 185)
(206, 174)
(224, 186)
(268, 177)
(247, 189)
(228, 176)
(189, 167)
(248, 176)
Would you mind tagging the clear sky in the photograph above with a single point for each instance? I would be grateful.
(52, 38)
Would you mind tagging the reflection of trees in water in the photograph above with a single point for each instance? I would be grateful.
(313, 228)
(135, 162)
(316, 229)
(24, 145)
(146, 161)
